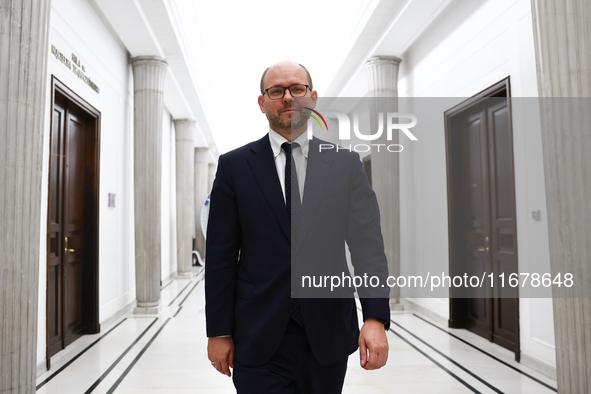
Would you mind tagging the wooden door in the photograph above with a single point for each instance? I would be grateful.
(72, 269)
(482, 214)
(503, 227)
(475, 213)
(73, 225)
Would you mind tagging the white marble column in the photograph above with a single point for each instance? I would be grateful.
(201, 192)
(148, 77)
(24, 29)
(382, 73)
(185, 189)
(562, 34)
(211, 170)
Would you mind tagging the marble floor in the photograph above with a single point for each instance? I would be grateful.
(167, 354)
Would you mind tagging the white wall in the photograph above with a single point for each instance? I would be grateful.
(469, 47)
(76, 28)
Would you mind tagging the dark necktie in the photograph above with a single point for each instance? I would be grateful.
(293, 204)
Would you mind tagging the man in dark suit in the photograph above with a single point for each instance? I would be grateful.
(277, 204)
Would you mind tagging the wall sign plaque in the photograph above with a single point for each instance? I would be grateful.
(76, 66)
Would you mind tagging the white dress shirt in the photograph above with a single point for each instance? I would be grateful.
(300, 157)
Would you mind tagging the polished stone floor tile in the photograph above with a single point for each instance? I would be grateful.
(166, 354)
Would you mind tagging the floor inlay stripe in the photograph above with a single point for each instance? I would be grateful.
(496, 390)
(453, 375)
(136, 359)
(104, 375)
(190, 291)
(177, 296)
(77, 356)
(450, 373)
(489, 355)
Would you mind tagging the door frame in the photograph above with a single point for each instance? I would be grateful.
(457, 305)
(94, 127)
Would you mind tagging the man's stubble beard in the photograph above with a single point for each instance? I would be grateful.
(287, 125)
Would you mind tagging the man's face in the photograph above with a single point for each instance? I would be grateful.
(286, 113)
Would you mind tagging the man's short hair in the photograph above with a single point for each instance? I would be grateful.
(268, 68)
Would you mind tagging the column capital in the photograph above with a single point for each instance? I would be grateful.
(148, 60)
(382, 60)
(185, 129)
(382, 74)
(184, 121)
(201, 155)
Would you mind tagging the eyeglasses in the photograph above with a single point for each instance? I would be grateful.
(277, 92)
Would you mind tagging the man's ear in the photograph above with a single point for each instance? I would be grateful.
(262, 104)
(314, 97)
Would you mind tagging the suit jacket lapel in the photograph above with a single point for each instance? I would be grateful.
(263, 167)
(316, 176)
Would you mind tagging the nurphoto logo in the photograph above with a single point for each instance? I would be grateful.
(394, 121)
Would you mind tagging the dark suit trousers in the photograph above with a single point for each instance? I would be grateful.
(292, 370)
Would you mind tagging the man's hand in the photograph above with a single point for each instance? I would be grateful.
(220, 351)
(373, 338)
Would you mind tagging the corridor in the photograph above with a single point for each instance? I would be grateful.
(116, 114)
(167, 354)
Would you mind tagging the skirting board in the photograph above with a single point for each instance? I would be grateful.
(41, 368)
(117, 315)
(412, 305)
(538, 365)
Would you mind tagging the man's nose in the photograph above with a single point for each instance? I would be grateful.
(287, 96)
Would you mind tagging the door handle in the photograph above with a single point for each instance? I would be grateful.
(66, 248)
(483, 249)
